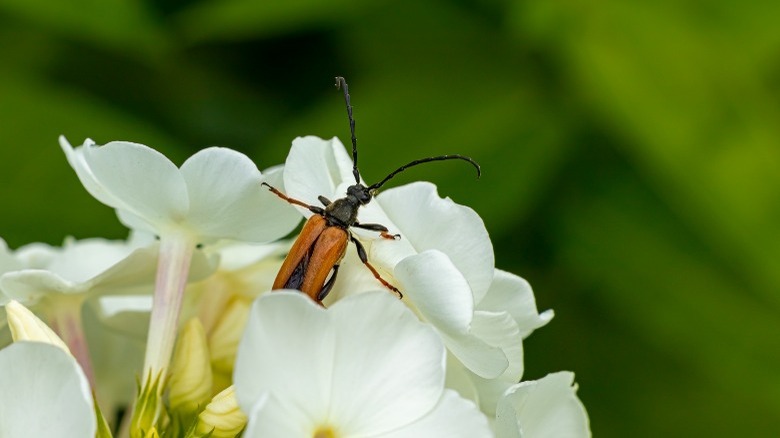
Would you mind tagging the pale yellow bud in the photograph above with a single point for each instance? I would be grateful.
(222, 416)
(152, 433)
(25, 326)
(224, 338)
(190, 379)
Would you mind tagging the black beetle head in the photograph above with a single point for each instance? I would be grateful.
(361, 193)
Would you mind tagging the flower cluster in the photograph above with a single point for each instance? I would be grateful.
(183, 307)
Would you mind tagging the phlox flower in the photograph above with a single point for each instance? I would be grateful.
(43, 393)
(57, 282)
(443, 262)
(214, 195)
(364, 367)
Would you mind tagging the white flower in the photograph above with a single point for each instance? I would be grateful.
(43, 393)
(547, 407)
(443, 263)
(216, 194)
(364, 367)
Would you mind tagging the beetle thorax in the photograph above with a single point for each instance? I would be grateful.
(343, 212)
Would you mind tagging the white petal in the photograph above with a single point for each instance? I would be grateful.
(269, 417)
(287, 349)
(315, 167)
(548, 407)
(443, 297)
(430, 222)
(30, 285)
(498, 329)
(227, 200)
(80, 261)
(453, 417)
(438, 291)
(132, 177)
(366, 365)
(7, 260)
(391, 367)
(513, 294)
(43, 393)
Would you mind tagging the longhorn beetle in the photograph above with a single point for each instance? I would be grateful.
(323, 239)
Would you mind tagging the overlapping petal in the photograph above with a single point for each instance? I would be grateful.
(547, 407)
(43, 393)
(216, 193)
(131, 177)
(366, 367)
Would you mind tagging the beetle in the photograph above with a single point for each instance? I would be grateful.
(322, 243)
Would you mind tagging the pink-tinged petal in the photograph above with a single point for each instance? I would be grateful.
(227, 199)
(548, 407)
(315, 167)
(513, 294)
(430, 222)
(43, 393)
(132, 177)
(453, 417)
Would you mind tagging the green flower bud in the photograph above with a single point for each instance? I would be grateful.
(190, 379)
(25, 326)
(222, 417)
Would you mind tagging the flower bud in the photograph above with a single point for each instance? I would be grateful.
(25, 326)
(222, 417)
(190, 381)
(224, 339)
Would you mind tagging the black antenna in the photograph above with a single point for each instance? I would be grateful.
(342, 83)
(425, 160)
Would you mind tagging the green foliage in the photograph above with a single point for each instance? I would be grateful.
(629, 152)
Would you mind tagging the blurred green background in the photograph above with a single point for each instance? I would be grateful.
(630, 154)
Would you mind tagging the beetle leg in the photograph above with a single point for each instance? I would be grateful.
(312, 208)
(378, 227)
(325, 201)
(364, 258)
(328, 284)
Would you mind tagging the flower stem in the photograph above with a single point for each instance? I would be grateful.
(66, 322)
(172, 269)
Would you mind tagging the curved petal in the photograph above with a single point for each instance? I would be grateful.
(287, 349)
(498, 329)
(453, 417)
(389, 366)
(227, 200)
(270, 417)
(316, 167)
(442, 296)
(543, 408)
(30, 285)
(366, 365)
(82, 260)
(7, 260)
(438, 291)
(132, 177)
(47, 396)
(513, 294)
(431, 222)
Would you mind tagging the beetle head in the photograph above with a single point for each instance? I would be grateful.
(361, 193)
